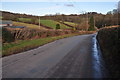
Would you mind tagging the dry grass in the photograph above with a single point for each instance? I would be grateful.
(110, 27)
(71, 23)
(32, 26)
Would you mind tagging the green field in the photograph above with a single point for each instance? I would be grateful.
(24, 19)
(16, 47)
(32, 26)
(71, 24)
(51, 23)
(48, 23)
(1, 17)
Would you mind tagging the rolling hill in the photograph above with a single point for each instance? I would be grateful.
(52, 24)
(71, 24)
(32, 26)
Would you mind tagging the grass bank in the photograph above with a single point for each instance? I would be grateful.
(72, 24)
(109, 40)
(23, 45)
(32, 26)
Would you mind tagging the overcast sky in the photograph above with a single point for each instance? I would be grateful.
(43, 8)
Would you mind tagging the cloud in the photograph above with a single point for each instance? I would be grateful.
(69, 5)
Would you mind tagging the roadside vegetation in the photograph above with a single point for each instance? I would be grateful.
(11, 35)
(23, 45)
(109, 40)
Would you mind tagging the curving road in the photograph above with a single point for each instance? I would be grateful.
(72, 57)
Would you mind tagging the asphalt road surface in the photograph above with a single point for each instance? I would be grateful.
(73, 57)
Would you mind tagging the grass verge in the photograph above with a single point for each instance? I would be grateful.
(23, 45)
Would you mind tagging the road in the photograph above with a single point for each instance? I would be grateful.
(72, 57)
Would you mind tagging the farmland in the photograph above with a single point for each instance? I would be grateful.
(32, 26)
(24, 19)
(51, 23)
(71, 24)
(47, 23)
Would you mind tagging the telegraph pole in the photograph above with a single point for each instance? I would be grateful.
(39, 22)
(94, 21)
(87, 19)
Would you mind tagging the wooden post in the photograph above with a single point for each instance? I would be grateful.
(39, 22)
(94, 21)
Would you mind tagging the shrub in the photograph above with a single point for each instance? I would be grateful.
(109, 40)
(57, 26)
(7, 36)
(91, 27)
(11, 35)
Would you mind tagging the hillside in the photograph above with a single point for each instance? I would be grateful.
(44, 24)
(71, 24)
(24, 19)
(52, 24)
(32, 26)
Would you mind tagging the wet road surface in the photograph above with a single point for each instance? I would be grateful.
(73, 57)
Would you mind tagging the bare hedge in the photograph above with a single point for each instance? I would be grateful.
(10, 35)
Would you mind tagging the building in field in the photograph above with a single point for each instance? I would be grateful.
(9, 24)
(4, 23)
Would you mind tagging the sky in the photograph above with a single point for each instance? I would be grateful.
(43, 8)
